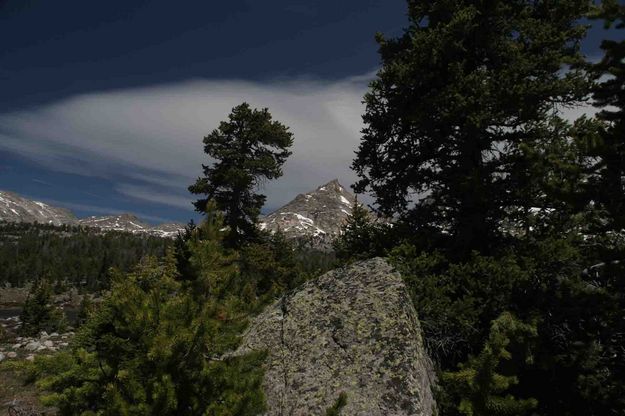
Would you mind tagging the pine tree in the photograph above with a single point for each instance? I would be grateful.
(249, 149)
(361, 237)
(211, 265)
(465, 100)
(608, 189)
(39, 312)
(155, 347)
(85, 310)
(483, 389)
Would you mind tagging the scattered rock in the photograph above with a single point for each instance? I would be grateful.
(32, 346)
(30, 357)
(353, 330)
(11, 354)
(48, 343)
(2, 357)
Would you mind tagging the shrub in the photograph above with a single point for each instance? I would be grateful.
(38, 313)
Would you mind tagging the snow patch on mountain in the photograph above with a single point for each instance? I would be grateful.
(131, 223)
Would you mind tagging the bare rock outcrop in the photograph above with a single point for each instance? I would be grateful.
(354, 331)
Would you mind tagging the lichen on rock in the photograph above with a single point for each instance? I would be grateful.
(354, 331)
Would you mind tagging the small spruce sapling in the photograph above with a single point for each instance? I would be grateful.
(39, 312)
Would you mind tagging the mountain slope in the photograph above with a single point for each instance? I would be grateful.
(122, 222)
(131, 223)
(15, 208)
(317, 215)
(168, 229)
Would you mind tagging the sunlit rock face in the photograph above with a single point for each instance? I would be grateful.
(354, 331)
(15, 208)
(316, 216)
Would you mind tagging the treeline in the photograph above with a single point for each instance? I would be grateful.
(70, 255)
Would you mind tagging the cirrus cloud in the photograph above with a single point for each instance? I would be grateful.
(147, 140)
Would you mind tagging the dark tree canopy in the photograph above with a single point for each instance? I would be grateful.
(608, 187)
(248, 149)
(463, 100)
(70, 255)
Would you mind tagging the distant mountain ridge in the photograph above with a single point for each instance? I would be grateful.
(131, 223)
(15, 208)
(315, 217)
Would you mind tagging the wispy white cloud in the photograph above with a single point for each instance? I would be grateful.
(42, 182)
(149, 140)
(153, 194)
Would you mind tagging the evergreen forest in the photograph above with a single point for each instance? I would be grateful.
(70, 256)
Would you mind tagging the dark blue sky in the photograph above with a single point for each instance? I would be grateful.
(89, 63)
(50, 49)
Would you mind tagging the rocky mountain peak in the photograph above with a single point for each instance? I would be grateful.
(332, 186)
(316, 215)
(128, 217)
